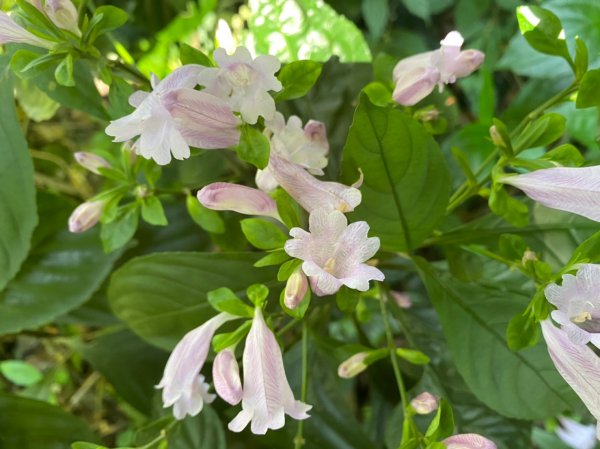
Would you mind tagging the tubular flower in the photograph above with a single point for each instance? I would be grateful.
(63, 14)
(334, 252)
(183, 386)
(572, 189)
(267, 395)
(243, 82)
(577, 364)
(226, 377)
(417, 76)
(85, 216)
(576, 435)
(13, 33)
(241, 199)
(307, 147)
(311, 193)
(174, 117)
(578, 303)
(468, 441)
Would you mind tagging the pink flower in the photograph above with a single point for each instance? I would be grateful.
(468, 441)
(267, 396)
(63, 14)
(183, 386)
(86, 215)
(91, 161)
(572, 189)
(578, 303)
(13, 33)
(243, 82)
(577, 364)
(417, 76)
(295, 289)
(333, 252)
(425, 403)
(226, 377)
(307, 147)
(241, 199)
(174, 117)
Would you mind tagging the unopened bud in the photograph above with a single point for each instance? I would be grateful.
(317, 133)
(91, 161)
(295, 289)
(85, 216)
(529, 256)
(425, 403)
(496, 137)
(402, 299)
(63, 14)
(241, 199)
(226, 377)
(353, 366)
(468, 441)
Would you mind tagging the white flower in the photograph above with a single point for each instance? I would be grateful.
(307, 147)
(333, 252)
(267, 396)
(11, 32)
(174, 117)
(238, 198)
(468, 441)
(243, 82)
(578, 303)
(183, 386)
(576, 435)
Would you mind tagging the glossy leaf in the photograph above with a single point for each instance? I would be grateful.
(298, 78)
(263, 234)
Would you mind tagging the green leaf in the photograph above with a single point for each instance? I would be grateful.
(204, 431)
(254, 147)
(406, 183)
(191, 55)
(224, 300)
(541, 132)
(523, 385)
(413, 356)
(300, 309)
(379, 94)
(257, 294)
(64, 72)
(442, 425)
(376, 14)
(153, 211)
(507, 207)
(589, 90)
(522, 331)
(426, 8)
(566, 155)
(17, 201)
(207, 219)
(288, 209)
(30, 424)
(581, 58)
(116, 233)
(347, 299)
(316, 33)
(263, 234)
(106, 18)
(226, 340)
(162, 296)
(277, 257)
(543, 30)
(20, 373)
(297, 78)
(587, 252)
(287, 268)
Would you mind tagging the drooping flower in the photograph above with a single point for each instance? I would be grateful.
(572, 189)
(578, 304)
(63, 14)
(310, 192)
(353, 365)
(243, 82)
(307, 147)
(267, 396)
(425, 403)
(226, 377)
(242, 199)
(416, 76)
(91, 161)
(86, 215)
(577, 364)
(183, 385)
(576, 435)
(174, 117)
(295, 289)
(468, 441)
(334, 252)
(13, 33)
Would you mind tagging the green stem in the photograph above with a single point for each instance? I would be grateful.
(299, 438)
(162, 436)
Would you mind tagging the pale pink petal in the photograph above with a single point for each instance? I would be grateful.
(241, 420)
(91, 161)
(260, 104)
(295, 289)
(226, 377)
(63, 14)
(414, 85)
(85, 216)
(576, 435)
(353, 366)
(268, 65)
(265, 181)
(468, 441)
(183, 77)
(11, 32)
(136, 98)
(467, 62)
(238, 198)
(333, 223)
(425, 403)
(360, 276)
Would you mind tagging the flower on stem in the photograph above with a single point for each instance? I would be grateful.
(416, 76)
(468, 441)
(425, 403)
(578, 304)
(572, 189)
(85, 216)
(13, 33)
(226, 377)
(353, 365)
(295, 289)
(63, 14)
(267, 396)
(91, 161)
(576, 435)
(243, 82)
(183, 387)
(577, 364)
(334, 252)
(174, 117)
(242, 199)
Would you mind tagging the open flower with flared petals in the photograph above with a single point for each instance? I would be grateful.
(183, 386)
(13, 33)
(468, 441)
(267, 396)
(242, 199)
(577, 364)
(578, 304)
(576, 435)
(174, 117)
(417, 76)
(334, 252)
(243, 82)
(307, 147)
(572, 189)
(310, 192)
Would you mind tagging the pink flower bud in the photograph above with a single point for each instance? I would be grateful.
(425, 403)
(468, 441)
(226, 377)
(85, 216)
(241, 199)
(63, 14)
(295, 289)
(317, 133)
(353, 366)
(402, 299)
(91, 161)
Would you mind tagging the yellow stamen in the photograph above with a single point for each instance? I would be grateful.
(582, 317)
(329, 265)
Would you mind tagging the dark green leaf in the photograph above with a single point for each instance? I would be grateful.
(442, 425)
(543, 30)
(116, 233)
(298, 78)
(581, 58)
(64, 72)
(522, 331)
(589, 90)
(541, 132)
(376, 14)
(204, 431)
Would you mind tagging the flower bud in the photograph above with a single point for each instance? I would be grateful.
(63, 14)
(402, 299)
(85, 216)
(226, 377)
(317, 133)
(91, 161)
(353, 366)
(242, 199)
(425, 403)
(295, 289)
(468, 441)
